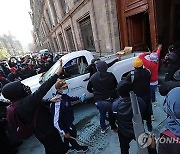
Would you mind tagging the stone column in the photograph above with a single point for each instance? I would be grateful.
(52, 11)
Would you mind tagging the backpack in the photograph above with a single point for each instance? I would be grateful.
(20, 128)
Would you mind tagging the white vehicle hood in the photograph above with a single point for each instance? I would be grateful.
(32, 82)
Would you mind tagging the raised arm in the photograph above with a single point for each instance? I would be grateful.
(46, 86)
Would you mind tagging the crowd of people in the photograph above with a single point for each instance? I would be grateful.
(55, 116)
(25, 67)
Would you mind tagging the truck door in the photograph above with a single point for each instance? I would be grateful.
(74, 74)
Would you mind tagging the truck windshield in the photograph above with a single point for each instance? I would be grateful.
(51, 71)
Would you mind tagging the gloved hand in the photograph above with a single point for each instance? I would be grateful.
(83, 97)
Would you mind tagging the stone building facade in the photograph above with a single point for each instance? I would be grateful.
(69, 25)
(105, 26)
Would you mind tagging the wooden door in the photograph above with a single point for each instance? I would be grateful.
(137, 22)
(136, 27)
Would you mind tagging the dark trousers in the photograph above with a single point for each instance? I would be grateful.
(73, 133)
(103, 107)
(153, 92)
(124, 142)
(149, 111)
(53, 143)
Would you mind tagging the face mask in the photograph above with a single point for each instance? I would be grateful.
(65, 91)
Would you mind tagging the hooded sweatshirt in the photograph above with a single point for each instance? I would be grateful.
(172, 108)
(141, 83)
(103, 84)
(151, 65)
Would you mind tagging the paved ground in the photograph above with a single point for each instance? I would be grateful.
(87, 123)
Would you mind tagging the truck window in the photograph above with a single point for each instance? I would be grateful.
(75, 67)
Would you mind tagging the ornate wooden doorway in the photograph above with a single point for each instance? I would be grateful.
(137, 24)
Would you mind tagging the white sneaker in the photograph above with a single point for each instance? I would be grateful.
(152, 118)
(154, 104)
(104, 130)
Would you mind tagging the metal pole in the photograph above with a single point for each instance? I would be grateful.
(137, 123)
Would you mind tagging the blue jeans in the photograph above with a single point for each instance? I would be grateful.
(103, 107)
(153, 92)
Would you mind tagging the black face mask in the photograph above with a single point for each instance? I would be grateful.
(27, 89)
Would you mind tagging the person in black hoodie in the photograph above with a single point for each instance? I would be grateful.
(167, 86)
(172, 62)
(123, 112)
(140, 79)
(44, 129)
(103, 85)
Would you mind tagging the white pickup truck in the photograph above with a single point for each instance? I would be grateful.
(74, 65)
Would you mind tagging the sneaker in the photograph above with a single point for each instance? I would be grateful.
(104, 130)
(70, 150)
(152, 118)
(155, 105)
(82, 149)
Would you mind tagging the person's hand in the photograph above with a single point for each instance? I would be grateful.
(60, 68)
(160, 46)
(67, 135)
(120, 54)
(83, 97)
(56, 99)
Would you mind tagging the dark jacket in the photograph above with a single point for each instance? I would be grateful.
(103, 85)
(124, 114)
(18, 76)
(66, 114)
(32, 102)
(141, 83)
(167, 86)
(4, 81)
(173, 64)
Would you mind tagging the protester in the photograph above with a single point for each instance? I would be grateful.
(167, 86)
(3, 80)
(28, 70)
(12, 62)
(140, 78)
(64, 116)
(103, 85)
(41, 67)
(122, 108)
(15, 75)
(32, 106)
(170, 138)
(172, 62)
(151, 62)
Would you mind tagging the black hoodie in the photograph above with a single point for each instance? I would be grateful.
(141, 83)
(103, 84)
